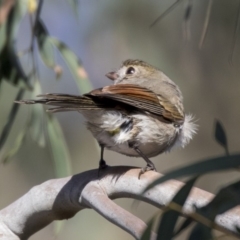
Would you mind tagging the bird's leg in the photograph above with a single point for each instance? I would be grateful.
(150, 166)
(102, 163)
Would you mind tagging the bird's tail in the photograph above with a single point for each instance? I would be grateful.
(65, 102)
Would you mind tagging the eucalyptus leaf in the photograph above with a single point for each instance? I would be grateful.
(226, 199)
(3, 36)
(19, 9)
(37, 118)
(10, 67)
(186, 223)
(201, 232)
(74, 65)
(16, 146)
(11, 117)
(44, 44)
(220, 136)
(59, 148)
(148, 231)
(170, 217)
(201, 167)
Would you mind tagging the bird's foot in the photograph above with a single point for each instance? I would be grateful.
(102, 166)
(148, 167)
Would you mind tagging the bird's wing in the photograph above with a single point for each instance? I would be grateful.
(141, 98)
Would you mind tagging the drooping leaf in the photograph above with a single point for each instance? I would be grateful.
(44, 44)
(10, 67)
(186, 223)
(37, 118)
(74, 65)
(11, 117)
(16, 146)
(169, 217)
(3, 36)
(220, 136)
(226, 199)
(147, 233)
(201, 167)
(201, 232)
(59, 148)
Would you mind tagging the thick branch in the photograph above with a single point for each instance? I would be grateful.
(62, 198)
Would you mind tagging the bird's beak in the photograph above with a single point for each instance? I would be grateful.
(112, 75)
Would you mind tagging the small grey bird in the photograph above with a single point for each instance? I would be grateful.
(140, 115)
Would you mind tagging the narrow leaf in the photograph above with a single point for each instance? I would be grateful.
(11, 117)
(58, 148)
(206, 23)
(148, 231)
(44, 44)
(74, 65)
(220, 136)
(16, 146)
(226, 199)
(186, 223)
(165, 229)
(202, 167)
(2, 36)
(37, 118)
(165, 13)
(201, 232)
(10, 67)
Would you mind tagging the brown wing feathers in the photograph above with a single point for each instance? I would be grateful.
(141, 98)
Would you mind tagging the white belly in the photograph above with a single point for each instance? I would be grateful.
(151, 135)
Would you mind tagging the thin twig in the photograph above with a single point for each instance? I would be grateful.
(165, 13)
(206, 23)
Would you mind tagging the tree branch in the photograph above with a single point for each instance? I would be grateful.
(59, 199)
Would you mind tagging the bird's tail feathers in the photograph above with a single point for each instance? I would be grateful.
(64, 102)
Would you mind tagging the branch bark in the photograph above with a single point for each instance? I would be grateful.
(59, 199)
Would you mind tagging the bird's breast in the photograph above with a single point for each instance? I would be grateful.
(116, 129)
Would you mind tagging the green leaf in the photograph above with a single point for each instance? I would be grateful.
(17, 144)
(183, 226)
(10, 67)
(147, 232)
(37, 118)
(74, 65)
(201, 232)
(202, 167)
(18, 11)
(45, 46)
(58, 148)
(166, 230)
(226, 199)
(220, 136)
(11, 117)
(2, 36)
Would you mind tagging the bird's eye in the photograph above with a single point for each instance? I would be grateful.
(130, 71)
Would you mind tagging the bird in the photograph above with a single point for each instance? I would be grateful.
(140, 115)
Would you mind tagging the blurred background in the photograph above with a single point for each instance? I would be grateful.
(104, 34)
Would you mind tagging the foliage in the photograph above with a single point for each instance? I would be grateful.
(11, 71)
